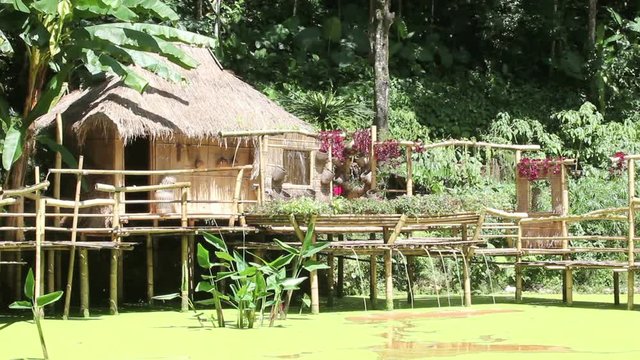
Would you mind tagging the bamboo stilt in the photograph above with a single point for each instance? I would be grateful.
(113, 283)
(84, 282)
(373, 281)
(149, 248)
(518, 269)
(184, 254)
(568, 274)
(313, 279)
(72, 252)
(411, 267)
(631, 168)
(184, 288)
(330, 280)
(616, 288)
(51, 271)
(115, 254)
(388, 279)
(340, 280)
(120, 277)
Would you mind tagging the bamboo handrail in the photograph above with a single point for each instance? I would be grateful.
(146, 172)
(69, 204)
(27, 190)
(242, 133)
(144, 188)
(505, 214)
(479, 144)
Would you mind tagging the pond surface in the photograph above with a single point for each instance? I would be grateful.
(539, 329)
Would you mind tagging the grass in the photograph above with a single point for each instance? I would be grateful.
(540, 328)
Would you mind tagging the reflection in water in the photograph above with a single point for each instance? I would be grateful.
(397, 347)
(391, 316)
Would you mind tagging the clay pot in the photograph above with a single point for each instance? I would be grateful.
(366, 177)
(326, 177)
(322, 157)
(278, 173)
(356, 192)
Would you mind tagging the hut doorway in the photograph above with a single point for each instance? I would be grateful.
(136, 157)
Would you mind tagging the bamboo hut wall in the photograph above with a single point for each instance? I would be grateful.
(275, 158)
(183, 153)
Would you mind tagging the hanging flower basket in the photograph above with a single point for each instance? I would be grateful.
(535, 169)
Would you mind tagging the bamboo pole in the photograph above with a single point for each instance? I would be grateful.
(631, 168)
(518, 269)
(54, 257)
(84, 282)
(409, 171)
(113, 266)
(616, 288)
(330, 279)
(489, 158)
(388, 277)
(373, 277)
(40, 208)
(236, 197)
(184, 253)
(411, 278)
(72, 251)
(388, 270)
(373, 162)
(147, 172)
(149, 252)
(466, 260)
(261, 170)
(330, 166)
(568, 272)
(340, 280)
(313, 280)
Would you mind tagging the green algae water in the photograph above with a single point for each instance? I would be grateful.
(541, 328)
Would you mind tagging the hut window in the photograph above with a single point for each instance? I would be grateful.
(298, 166)
(541, 196)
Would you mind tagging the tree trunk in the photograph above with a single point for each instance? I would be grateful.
(381, 21)
(591, 26)
(199, 9)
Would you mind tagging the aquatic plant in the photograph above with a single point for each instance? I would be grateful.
(36, 304)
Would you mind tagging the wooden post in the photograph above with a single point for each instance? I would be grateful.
(84, 282)
(184, 254)
(330, 279)
(72, 252)
(120, 277)
(313, 280)
(373, 281)
(149, 248)
(569, 285)
(409, 171)
(373, 162)
(330, 166)
(113, 269)
(631, 168)
(616, 288)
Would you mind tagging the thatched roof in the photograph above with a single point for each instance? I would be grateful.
(212, 100)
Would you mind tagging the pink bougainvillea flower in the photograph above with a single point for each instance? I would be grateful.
(337, 190)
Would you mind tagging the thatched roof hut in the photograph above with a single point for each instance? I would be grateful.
(210, 101)
(181, 126)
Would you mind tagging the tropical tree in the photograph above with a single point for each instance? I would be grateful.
(59, 37)
(102, 36)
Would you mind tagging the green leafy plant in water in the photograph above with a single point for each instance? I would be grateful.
(255, 286)
(36, 304)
